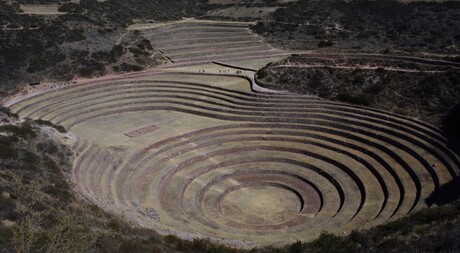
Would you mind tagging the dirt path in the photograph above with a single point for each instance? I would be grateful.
(355, 67)
(249, 72)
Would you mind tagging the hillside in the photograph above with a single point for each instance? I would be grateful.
(409, 89)
(88, 40)
(430, 93)
(365, 26)
(234, 126)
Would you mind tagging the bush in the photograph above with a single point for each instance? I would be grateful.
(262, 73)
(358, 99)
(328, 242)
(126, 67)
(296, 247)
(24, 131)
(47, 147)
(44, 61)
(374, 89)
(8, 112)
(59, 128)
(325, 43)
(29, 159)
(5, 235)
(7, 152)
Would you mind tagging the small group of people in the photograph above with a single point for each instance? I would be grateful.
(56, 85)
(224, 71)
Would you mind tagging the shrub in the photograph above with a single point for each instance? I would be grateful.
(325, 43)
(130, 246)
(59, 128)
(29, 159)
(262, 73)
(328, 242)
(296, 247)
(171, 239)
(374, 89)
(44, 61)
(8, 112)
(8, 152)
(47, 147)
(358, 99)
(125, 67)
(5, 235)
(24, 131)
(114, 225)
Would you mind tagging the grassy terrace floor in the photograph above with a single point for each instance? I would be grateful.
(191, 41)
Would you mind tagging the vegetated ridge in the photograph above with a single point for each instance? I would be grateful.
(365, 26)
(429, 93)
(89, 40)
(407, 88)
